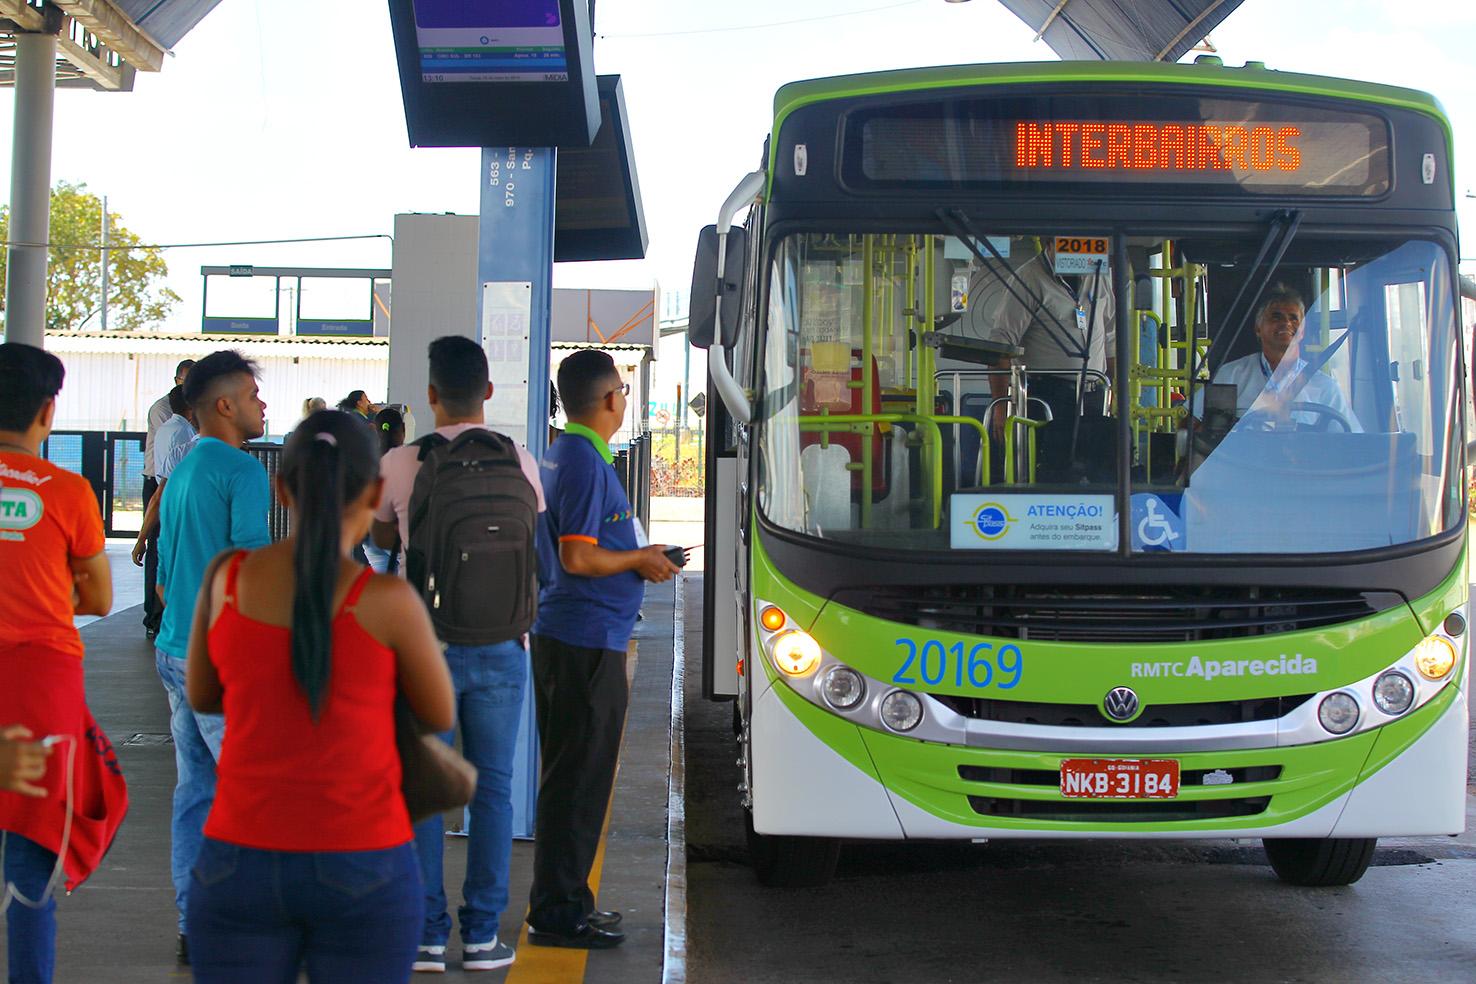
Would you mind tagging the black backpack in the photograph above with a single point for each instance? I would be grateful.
(472, 519)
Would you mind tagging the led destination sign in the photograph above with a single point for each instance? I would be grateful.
(1159, 146)
(1213, 146)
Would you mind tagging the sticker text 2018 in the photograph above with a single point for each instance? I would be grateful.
(979, 666)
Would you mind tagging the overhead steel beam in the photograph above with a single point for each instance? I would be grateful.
(117, 31)
(99, 46)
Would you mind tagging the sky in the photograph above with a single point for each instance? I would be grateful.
(282, 118)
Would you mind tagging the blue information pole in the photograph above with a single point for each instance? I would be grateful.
(515, 274)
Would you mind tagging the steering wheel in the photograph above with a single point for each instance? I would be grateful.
(1324, 416)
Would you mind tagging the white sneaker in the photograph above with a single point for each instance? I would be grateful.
(486, 956)
(430, 960)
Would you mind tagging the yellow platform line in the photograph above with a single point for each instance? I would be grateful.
(558, 965)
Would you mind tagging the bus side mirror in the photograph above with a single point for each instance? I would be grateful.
(703, 317)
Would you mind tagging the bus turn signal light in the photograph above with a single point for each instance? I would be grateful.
(1435, 657)
(772, 619)
(796, 653)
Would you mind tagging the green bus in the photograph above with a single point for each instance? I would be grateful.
(1085, 460)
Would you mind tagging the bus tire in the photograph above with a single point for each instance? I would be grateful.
(1319, 862)
(781, 861)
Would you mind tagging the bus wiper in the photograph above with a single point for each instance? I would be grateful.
(962, 227)
(1279, 236)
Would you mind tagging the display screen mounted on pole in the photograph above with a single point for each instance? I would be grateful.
(484, 73)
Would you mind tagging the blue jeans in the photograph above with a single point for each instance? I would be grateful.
(32, 932)
(197, 740)
(489, 682)
(256, 917)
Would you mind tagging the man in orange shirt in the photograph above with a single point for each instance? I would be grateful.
(51, 550)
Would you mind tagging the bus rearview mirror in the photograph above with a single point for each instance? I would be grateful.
(704, 312)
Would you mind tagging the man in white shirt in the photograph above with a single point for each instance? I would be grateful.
(158, 414)
(172, 441)
(1275, 379)
(1062, 325)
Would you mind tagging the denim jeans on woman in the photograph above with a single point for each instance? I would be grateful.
(348, 917)
(197, 739)
(31, 931)
(489, 681)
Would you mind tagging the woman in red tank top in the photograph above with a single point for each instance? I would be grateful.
(308, 856)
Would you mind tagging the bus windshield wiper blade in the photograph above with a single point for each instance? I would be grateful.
(960, 225)
(1283, 229)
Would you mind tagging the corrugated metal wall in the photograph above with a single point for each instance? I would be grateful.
(109, 387)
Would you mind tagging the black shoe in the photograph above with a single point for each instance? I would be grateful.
(586, 937)
(182, 951)
(603, 920)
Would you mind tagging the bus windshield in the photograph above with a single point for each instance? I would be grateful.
(931, 392)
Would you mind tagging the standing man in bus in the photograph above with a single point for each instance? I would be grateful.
(159, 413)
(593, 572)
(216, 499)
(1063, 324)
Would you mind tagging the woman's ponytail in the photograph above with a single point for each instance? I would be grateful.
(327, 463)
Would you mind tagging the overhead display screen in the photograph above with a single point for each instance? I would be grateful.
(508, 41)
(496, 73)
(1207, 145)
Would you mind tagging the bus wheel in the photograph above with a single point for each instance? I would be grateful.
(790, 862)
(1320, 861)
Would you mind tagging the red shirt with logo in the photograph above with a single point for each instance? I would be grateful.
(48, 516)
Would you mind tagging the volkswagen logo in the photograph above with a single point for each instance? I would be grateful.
(1120, 703)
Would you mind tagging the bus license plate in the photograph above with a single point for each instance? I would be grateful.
(1120, 778)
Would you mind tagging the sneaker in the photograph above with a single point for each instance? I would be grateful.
(430, 960)
(487, 956)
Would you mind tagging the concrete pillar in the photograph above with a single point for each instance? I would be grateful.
(30, 188)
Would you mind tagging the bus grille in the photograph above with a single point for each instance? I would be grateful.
(1118, 811)
(1094, 613)
(1153, 716)
(1134, 811)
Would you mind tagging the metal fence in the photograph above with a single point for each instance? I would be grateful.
(633, 465)
(113, 463)
(678, 461)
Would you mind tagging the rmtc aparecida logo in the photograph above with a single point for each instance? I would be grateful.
(1209, 669)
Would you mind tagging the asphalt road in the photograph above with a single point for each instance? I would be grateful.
(1027, 911)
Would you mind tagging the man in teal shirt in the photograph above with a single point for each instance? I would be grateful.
(216, 499)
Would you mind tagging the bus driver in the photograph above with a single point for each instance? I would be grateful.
(1277, 378)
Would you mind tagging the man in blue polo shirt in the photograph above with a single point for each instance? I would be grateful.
(593, 573)
(215, 499)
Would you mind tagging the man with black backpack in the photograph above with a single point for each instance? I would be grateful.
(464, 501)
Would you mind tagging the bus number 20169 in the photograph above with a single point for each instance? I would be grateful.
(982, 667)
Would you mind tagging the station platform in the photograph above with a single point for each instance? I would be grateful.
(119, 927)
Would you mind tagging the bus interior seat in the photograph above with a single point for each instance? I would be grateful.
(810, 406)
(827, 486)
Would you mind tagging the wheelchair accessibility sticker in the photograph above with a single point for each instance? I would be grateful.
(1158, 522)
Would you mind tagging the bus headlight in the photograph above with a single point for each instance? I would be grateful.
(843, 688)
(1435, 657)
(901, 711)
(796, 653)
(1338, 713)
(1393, 693)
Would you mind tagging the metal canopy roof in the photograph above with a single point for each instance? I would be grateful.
(1122, 30)
(100, 43)
(166, 21)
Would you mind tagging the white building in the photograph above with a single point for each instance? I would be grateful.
(113, 378)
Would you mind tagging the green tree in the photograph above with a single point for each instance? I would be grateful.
(136, 295)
